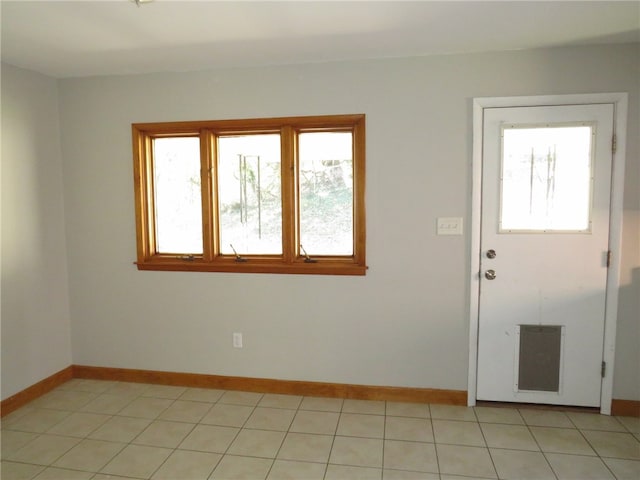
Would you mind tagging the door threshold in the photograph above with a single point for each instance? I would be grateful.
(538, 406)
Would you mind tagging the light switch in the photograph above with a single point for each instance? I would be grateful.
(449, 226)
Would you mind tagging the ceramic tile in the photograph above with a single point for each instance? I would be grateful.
(462, 460)
(594, 421)
(515, 437)
(52, 473)
(12, 441)
(87, 385)
(307, 421)
(452, 412)
(120, 429)
(241, 468)
(291, 470)
(137, 461)
(322, 404)
(146, 407)
(546, 418)
(164, 434)
(416, 456)
(614, 444)
(227, 415)
(38, 420)
(280, 401)
(561, 440)
(209, 438)
(457, 433)
(623, 469)
(344, 472)
(19, 471)
(359, 452)
(499, 415)
(572, 467)
(209, 395)
(185, 411)
(127, 389)
(372, 407)
(44, 450)
(402, 409)
(357, 425)
(164, 391)
(519, 465)
(187, 465)
(270, 419)
(405, 428)
(241, 398)
(107, 403)
(257, 443)
(632, 424)
(89, 455)
(64, 400)
(79, 424)
(306, 447)
(406, 475)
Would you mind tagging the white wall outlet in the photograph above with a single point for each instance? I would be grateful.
(237, 340)
(449, 226)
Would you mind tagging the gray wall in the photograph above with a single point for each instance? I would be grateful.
(35, 303)
(406, 322)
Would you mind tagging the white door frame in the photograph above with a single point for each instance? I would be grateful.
(619, 100)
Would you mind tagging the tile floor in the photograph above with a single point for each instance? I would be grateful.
(88, 429)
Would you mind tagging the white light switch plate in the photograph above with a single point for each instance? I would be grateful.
(449, 226)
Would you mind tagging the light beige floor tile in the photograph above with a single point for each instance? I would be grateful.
(164, 434)
(499, 415)
(404, 475)
(344, 472)
(209, 438)
(137, 461)
(416, 456)
(257, 443)
(274, 400)
(227, 415)
(64, 400)
(372, 407)
(44, 449)
(120, 429)
(107, 403)
(561, 440)
(164, 391)
(357, 425)
(405, 428)
(185, 411)
(595, 421)
(53, 473)
(457, 433)
(623, 469)
(19, 471)
(38, 420)
(270, 419)
(358, 452)
(461, 460)
(128, 389)
(519, 465)
(578, 467)
(79, 424)
(614, 444)
(402, 409)
(290, 470)
(307, 421)
(103, 476)
(515, 437)
(467, 477)
(16, 414)
(546, 418)
(632, 424)
(12, 441)
(185, 465)
(306, 447)
(89, 455)
(322, 404)
(87, 385)
(209, 395)
(452, 412)
(241, 398)
(146, 407)
(241, 468)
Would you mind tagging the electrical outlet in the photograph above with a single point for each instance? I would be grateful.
(237, 340)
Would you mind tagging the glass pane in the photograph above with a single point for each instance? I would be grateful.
(249, 194)
(176, 168)
(326, 193)
(546, 179)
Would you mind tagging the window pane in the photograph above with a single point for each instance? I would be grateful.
(326, 192)
(546, 179)
(249, 194)
(178, 203)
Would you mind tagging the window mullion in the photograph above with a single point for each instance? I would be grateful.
(288, 176)
(209, 196)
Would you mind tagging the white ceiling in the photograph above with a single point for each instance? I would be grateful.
(90, 37)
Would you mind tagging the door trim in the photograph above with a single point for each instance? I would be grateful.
(619, 101)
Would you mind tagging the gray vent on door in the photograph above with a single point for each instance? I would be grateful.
(539, 363)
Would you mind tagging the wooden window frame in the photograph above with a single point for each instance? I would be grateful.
(212, 260)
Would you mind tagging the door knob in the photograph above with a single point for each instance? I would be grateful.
(490, 274)
(491, 253)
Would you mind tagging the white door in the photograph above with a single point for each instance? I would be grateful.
(546, 184)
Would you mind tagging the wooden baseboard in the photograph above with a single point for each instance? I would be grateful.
(36, 390)
(292, 387)
(625, 408)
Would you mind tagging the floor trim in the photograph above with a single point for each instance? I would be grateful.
(625, 408)
(36, 390)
